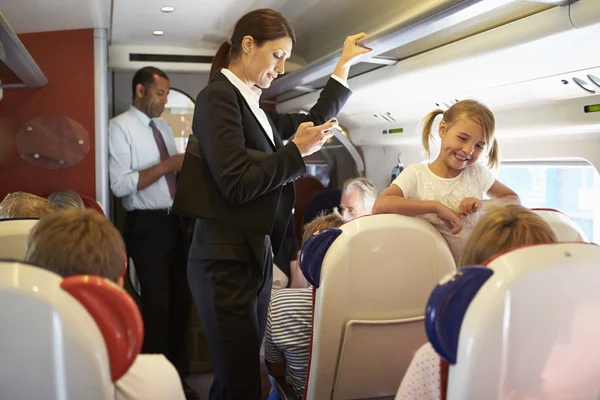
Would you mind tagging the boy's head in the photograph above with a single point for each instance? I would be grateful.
(77, 242)
(24, 205)
(331, 220)
(503, 228)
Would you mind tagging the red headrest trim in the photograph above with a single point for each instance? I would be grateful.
(116, 315)
(310, 346)
(552, 210)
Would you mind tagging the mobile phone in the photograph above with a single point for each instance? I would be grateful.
(334, 119)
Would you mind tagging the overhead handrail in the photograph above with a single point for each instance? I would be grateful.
(426, 21)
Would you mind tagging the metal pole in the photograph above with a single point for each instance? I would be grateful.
(101, 116)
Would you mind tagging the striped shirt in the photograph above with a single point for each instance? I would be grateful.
(289, 326)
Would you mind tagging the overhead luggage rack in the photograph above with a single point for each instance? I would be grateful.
(17, 67)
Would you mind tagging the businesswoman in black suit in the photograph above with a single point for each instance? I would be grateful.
(230, 268)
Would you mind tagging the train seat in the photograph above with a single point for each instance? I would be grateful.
(63, 338)
(91, 203)
(564, 227)
(13, 237)
(322, 203)
(374, 276)
(524, 326)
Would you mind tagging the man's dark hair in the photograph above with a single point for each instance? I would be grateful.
(145, 76)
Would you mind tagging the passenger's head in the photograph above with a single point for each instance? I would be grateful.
(65, 199)
(24, 205)
(331, 220)
(467, 131)
(503, 228)
(150, 87)
(358, 197)
(261, 42)
(77, 242)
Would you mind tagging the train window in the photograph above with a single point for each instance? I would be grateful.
(572, 187)
(319, 171)
(179, 113)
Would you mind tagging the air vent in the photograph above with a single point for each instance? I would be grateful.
(594, 79)
(387, 117)
(585, 85)
(174, 58)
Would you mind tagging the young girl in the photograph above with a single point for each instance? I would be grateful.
(501, 229)
(449, 191)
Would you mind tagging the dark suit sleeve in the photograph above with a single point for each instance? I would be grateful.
(333, 97)
(218, 123)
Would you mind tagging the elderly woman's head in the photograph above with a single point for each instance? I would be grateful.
(24, 205)
(65, 199)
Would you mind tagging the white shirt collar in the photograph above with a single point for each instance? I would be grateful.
(143, 118)
(252, 96)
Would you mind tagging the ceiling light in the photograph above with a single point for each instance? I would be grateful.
(158, 33)
(167, 9)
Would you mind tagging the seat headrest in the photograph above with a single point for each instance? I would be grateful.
(531, 329)
(91, 203)
(114, 312)
(447, 306)
(8, 224)
(565, 229)
(116, 315)
(313, 252)
(13, 237)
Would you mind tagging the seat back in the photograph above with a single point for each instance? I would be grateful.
(91, 203)
(374, 281)
(306, 188)
(63, 339)
(322, 203)
(529, 329)
(13, 237)
(564, 227)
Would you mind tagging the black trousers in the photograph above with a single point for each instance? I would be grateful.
(232, 298)
(157, 244)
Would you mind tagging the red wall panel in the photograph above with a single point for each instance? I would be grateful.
(67, 60)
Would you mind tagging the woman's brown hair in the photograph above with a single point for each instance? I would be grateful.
(503, 228)
(263, 25)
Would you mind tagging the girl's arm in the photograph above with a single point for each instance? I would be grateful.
(501, 194)
(392, 201)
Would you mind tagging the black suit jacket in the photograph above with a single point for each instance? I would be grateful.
(226, 126)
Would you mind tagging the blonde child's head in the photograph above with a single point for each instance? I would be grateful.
(503, 228)
(467, 131)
